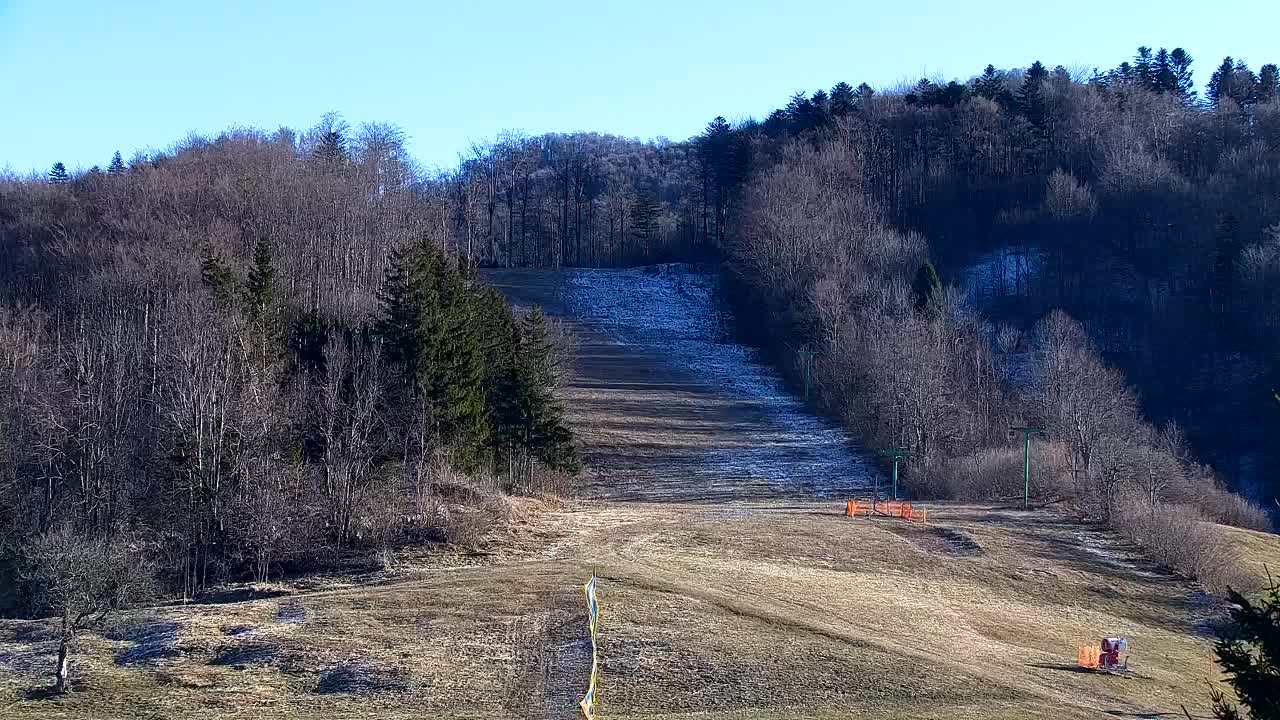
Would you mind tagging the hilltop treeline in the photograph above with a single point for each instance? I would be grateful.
(254, 352)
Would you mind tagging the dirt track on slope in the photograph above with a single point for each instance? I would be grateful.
(653, 429)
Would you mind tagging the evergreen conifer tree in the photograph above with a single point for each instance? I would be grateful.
(926, 288)
(644, 215)
(919, 93)
(1268, 84)
(332, 149)
(1233, 79)
(1163, 77)
(1184, 83)
(262, 307)
(1249, 654)
(776, 124)
(800, 113)
(821, 108)
(117, 165)
(1031, 100)
(843, 99)
(988, 85)
(219, 278)
(58, 174)
(1123, 74)
(547, 435)
(1144, 68)
(432, 335)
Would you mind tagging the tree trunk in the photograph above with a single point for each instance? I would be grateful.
(61, 681)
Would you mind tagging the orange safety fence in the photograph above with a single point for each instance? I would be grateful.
(893, 508)
(1089, 656)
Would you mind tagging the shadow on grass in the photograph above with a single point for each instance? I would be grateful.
(1064, 667)
(47, 692)
(362, 678)
(243, 656)
(152, 641)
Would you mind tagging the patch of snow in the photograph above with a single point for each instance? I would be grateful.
(999, 273)
(671, 312)
(1091, 543)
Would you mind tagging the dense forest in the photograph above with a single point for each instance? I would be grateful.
(1148, 216)
(251, 349)
(254, 354)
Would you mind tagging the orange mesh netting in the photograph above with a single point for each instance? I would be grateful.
(1088, 656)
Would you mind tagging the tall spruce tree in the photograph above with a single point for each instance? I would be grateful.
(58, 174)
(989, 84)
(926, 289)
(1268, 84)
(800, 113)
(1184, 83)
(117, 165)
(1163, 77)
(431, 332)
(262, 307)
(332, 149)
(644, 215)
(547, 434)
(219, 278)
(1220, 81)
(1232, 80)
(1031, 92)
(843, 99)
(500, 332)
(821, 108)
(1032, 103)
(776, 124)
(1144, 68)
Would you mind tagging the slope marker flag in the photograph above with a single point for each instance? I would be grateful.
(588, 703)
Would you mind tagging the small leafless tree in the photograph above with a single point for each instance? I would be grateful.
(1081, 399)
(81, 580)
(350, 420)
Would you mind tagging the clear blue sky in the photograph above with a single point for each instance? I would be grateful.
(79, 80)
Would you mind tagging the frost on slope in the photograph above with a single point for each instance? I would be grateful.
(669, 311)
(1000, 273)
(997, 274)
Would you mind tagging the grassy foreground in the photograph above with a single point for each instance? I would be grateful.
(739, 610)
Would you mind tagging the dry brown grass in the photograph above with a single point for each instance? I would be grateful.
(744, 610)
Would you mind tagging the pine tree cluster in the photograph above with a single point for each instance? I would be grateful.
(481, 378)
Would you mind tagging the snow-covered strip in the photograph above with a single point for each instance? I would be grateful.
(1001, 272)
(670, 311)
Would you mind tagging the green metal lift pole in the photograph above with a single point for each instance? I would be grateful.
(1026, 463)
(895, 477)
(808, 363)
(897, 455)
(1026, 470)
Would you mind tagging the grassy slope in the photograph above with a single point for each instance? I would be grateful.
(737, 608)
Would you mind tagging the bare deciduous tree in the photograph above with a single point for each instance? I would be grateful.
(82, 580)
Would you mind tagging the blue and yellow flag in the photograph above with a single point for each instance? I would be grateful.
(588, 703)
